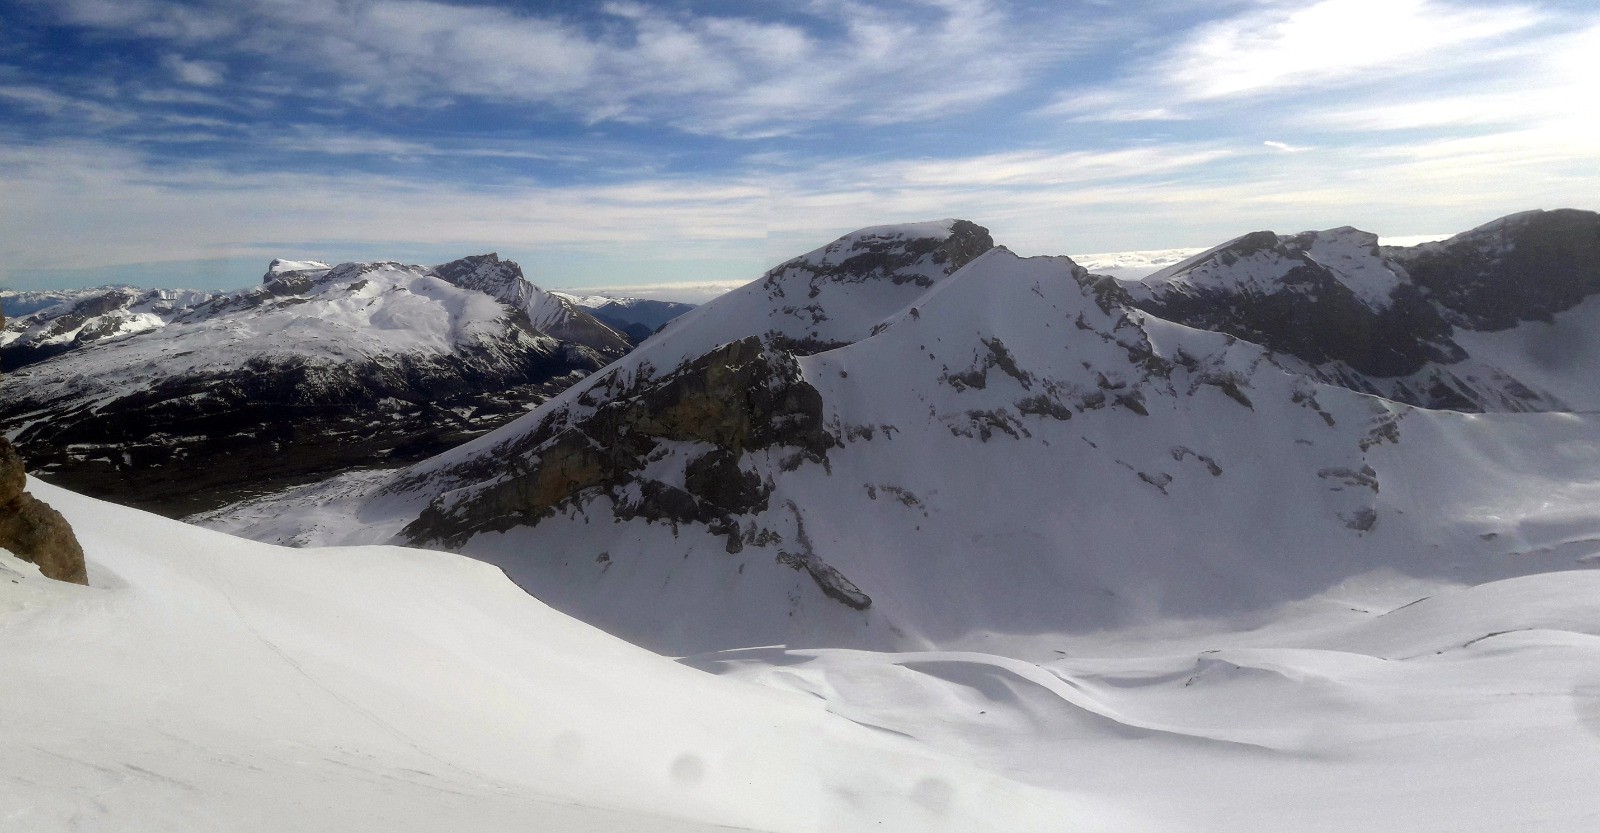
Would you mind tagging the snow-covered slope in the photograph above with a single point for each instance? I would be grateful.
(36, 330)
(207, 683)
(1395, 321)
(316, 370)
(1015, 452)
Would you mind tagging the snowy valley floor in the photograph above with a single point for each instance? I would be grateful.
(208, 683)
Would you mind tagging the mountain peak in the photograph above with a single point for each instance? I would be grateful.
(279, 268)
(916, 253)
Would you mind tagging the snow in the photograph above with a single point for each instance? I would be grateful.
(205, 682)
(280, 266)
(122, 311)
(1352, 255)
(972, 515)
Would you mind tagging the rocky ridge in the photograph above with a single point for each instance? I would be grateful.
(1392, 321)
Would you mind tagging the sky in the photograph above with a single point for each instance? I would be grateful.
(631, 145)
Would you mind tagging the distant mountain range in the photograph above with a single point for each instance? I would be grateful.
(178, 400)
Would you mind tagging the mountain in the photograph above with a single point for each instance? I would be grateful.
(638, 318)
(316, 371)
(45, 324)
(550, 313)
(1495, 319)
(910, 439)
(18, 303)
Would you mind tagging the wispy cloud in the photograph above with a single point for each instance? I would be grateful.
(1281, 47)
(714, 74)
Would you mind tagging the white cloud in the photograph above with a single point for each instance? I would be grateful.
(1280, 48)
(1328, 41)
(1285, 147)
(1548, 80)
(198, 73)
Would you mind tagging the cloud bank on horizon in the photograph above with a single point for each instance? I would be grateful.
(632, 143)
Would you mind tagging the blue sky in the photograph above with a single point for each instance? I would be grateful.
(625, 143)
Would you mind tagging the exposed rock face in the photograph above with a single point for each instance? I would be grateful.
(898, 261)
(1524, 267)
(813, 301)
(1274, 291)
(739, 398)
(1392, 321)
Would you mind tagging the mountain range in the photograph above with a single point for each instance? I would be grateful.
(180, 401)
(912, 438)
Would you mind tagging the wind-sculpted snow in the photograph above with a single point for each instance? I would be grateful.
(208, 683)
(975, 542)
(1014, 452)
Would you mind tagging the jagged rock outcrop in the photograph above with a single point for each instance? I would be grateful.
(551, 313)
